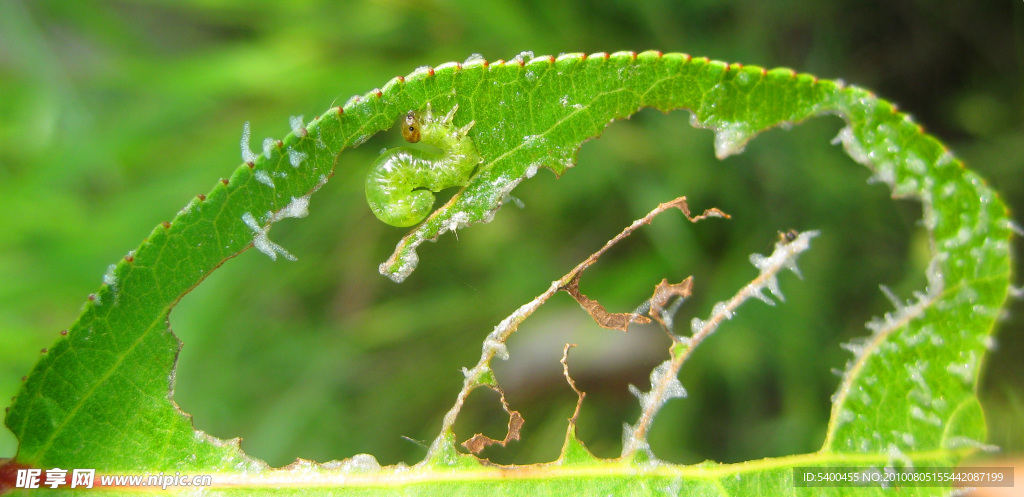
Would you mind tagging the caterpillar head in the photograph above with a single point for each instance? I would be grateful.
(411, 127)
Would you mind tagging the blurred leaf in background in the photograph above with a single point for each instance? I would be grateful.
(114, 114)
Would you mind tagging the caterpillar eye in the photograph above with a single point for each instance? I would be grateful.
(411, 128)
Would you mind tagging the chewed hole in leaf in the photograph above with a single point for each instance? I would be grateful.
(721, 375)
(484, 423)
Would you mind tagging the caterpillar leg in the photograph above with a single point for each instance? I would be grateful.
(447, 121)
(448, 117)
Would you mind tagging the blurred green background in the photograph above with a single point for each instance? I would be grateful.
(114, 114)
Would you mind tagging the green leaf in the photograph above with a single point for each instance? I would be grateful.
(101, 397)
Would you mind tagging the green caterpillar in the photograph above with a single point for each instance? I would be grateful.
(399, 186)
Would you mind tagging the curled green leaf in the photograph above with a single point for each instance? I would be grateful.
(101, 397)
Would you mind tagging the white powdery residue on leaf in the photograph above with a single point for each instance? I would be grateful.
(420, 71)
(757, 260)
(851, 145)
(985, 311)
(665, 385)
(914, 308)
(360, 463)
(930, 417)
(914, 337)
(264, 178)
(879, 325)
(247, 153)
(888, 347)
(907, 187)
(409, 261)
(446, 65)
(865, 397)
(509, 199)
(772, 283)
(297, 208)
(455, 221)
(361, 139)
(296, 123)
(522, 57)
(962, 238)
(536, 142)
(268, 146)
(633, 389)
(948, 190)
(495, 348)
(945, 160)
(915, 163)
(759, 295)
(885, 172)
(319, 134)
(109, 278)
(930, 216)
(667, 315)
(960, 442)
(965, 370)
(844, 416)
(721, 309)
(1014, 227)
(730, 138)
(188, 207)
(631, 444)
(783, 257)
(295, 157)
(675, 486)
(855, 346)
(665, 375)
(893, 299)
(936, 278)
(474, 58)
(696, 325)
(966, 298)
(921, 391)
(896, 456)
(355, 98)
(262, 242)
(509, 325)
